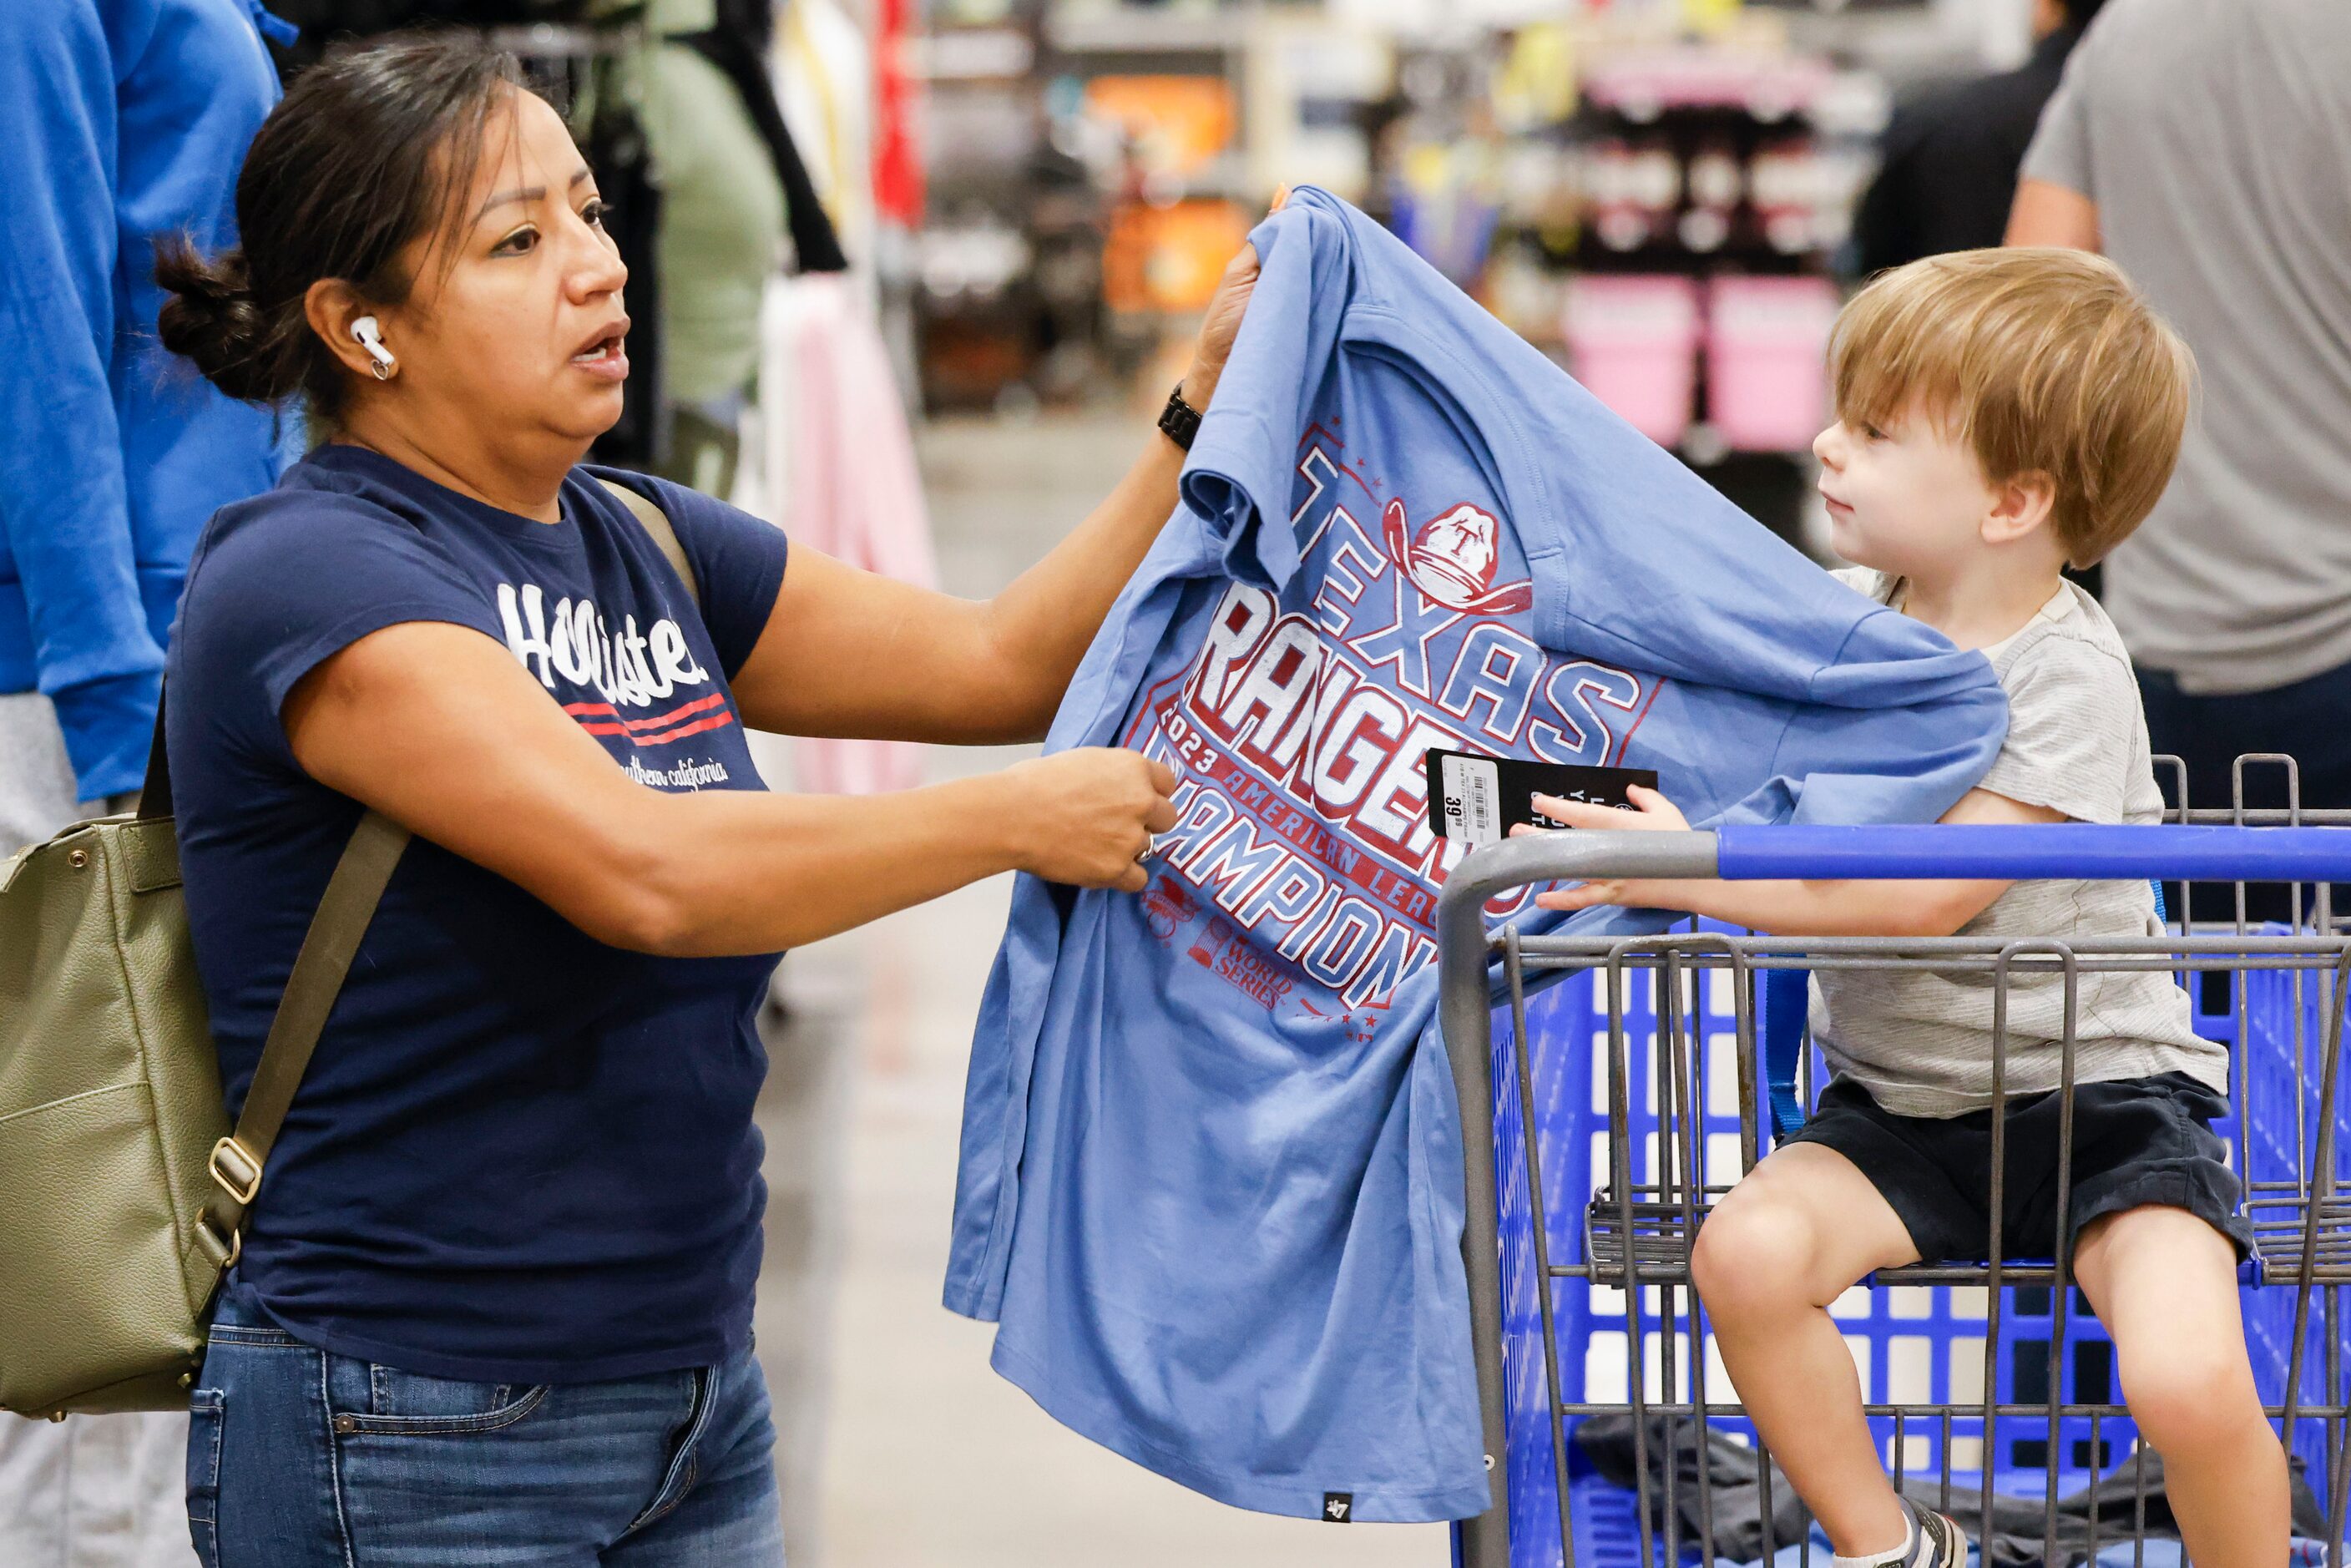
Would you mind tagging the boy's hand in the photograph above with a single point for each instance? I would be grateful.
(1653, 813)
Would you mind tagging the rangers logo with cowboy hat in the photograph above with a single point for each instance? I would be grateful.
(1452, 558)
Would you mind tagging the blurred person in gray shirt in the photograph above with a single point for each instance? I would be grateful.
(2207, 148)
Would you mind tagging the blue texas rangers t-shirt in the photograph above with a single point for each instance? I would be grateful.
(1212, 1179)
(519, 1154)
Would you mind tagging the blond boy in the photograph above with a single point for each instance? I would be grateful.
(2000, 414)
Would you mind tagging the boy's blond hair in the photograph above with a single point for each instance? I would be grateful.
(2041, 361)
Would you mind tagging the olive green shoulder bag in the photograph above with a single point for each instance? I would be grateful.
(122, 1186)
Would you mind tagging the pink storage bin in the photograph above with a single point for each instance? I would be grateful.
(1633, 342)
(1767, 361)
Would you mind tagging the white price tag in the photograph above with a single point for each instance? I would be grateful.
(1473, 806)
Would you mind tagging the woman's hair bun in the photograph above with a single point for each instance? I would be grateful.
(210, 316)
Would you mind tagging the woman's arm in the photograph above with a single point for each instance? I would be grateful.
(1858, 909)
(846, 652)
(440, 730)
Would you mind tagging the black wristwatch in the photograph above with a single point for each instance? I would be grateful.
(1180, 420)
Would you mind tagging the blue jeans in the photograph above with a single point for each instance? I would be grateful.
(300, 1458)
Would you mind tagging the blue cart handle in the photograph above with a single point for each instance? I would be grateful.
(2082, 851)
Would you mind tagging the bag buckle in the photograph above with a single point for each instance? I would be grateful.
(235, 1168)
(232, 1249)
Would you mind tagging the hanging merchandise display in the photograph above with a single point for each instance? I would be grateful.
(841, 476)
(897, 143)
(823, 74)
(321, 24)
(731, 189)
(739, 45)
(1211, 1184)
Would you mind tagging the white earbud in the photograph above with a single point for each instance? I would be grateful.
(370, 338)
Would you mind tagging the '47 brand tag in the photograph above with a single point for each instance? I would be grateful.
(1478, 799)
(1339, 1507)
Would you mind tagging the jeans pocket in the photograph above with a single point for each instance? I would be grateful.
(409, 1404)
(206, 1408)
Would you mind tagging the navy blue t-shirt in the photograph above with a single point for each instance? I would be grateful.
(519, 1154)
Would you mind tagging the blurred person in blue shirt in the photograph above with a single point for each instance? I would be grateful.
(124, 120)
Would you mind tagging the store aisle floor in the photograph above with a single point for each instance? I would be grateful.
(933, 1461)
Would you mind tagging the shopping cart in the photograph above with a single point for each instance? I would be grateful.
(1632, 1091)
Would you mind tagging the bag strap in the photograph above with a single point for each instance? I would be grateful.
(345, 911)
(156, 795)
(656, 522)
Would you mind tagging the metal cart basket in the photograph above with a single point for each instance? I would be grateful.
(1603, 1117)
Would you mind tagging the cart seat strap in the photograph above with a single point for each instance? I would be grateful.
(1786, 993)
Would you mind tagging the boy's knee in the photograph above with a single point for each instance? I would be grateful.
(1755, 1257)
(2184, 1395)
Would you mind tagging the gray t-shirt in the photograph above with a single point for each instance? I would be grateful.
(1921, 1042)
(2215, 137)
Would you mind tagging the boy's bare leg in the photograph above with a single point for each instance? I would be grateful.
(2165, 1284)
(1792, 1237)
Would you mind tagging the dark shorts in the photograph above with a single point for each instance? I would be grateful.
(2140, 1141)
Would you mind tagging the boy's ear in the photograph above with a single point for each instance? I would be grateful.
(2019, 506)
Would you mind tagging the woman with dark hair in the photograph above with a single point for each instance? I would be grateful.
(494, 1301)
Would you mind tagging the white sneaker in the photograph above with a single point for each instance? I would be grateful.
(1941, 1544)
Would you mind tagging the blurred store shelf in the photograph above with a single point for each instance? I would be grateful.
(1135, 29)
